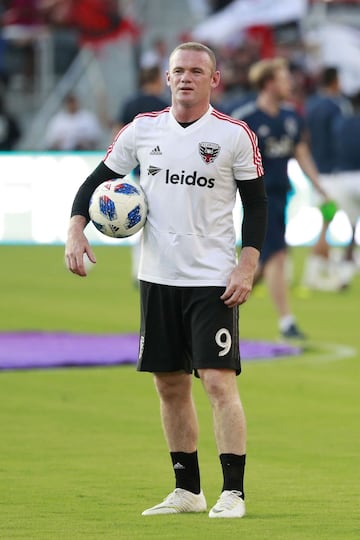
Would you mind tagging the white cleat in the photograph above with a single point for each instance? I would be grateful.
(229, 505)
(347, 271)
(178, 502)
(321, 274)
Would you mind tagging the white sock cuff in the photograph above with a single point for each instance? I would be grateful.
(285, 322)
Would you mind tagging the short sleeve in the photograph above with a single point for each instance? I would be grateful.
(121, 156)
(248, 161)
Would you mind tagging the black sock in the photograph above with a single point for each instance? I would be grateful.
(233, 467)
(186, 469)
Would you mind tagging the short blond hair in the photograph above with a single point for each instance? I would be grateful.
(195, 46)
(265, 70)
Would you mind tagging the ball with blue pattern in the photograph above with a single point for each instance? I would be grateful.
(118, 208)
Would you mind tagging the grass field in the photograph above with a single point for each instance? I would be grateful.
(82, 451)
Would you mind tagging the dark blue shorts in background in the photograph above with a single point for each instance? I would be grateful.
(275, 234)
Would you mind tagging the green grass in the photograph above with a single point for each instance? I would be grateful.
(82, 451)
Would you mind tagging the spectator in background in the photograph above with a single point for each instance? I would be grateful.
(347, 180)
(74, 128)
(235, 65)
(281, 135)
(22, 24)
(322, 111)
(9, 128)
(150, 97)
(4, 72)
(156, 55)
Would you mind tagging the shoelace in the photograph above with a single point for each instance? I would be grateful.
(177, 499)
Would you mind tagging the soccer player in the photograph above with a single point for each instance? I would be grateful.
(281, 136)
(346, 182)
(193, 160)
(324, 111)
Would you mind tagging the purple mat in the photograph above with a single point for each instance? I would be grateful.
(28, 350)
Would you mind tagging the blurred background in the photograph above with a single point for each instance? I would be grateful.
(87, 56)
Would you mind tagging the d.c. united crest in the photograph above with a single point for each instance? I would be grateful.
(209, 151)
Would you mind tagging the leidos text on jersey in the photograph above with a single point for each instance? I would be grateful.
(189, 179)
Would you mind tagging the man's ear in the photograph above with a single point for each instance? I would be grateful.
(215, 79)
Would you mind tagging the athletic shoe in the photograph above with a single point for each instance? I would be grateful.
(179, 501)
(321, 274)
(229, 505)
(347, 270)
(293, 333)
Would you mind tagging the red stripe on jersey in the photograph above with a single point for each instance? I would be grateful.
(252, 136)
(153, 113)
(110, 148)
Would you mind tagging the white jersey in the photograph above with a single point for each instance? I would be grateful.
(188, 175)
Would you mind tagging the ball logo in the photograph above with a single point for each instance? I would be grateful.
(134, 217)
(126, 189)
(209, 151)
(107, 207)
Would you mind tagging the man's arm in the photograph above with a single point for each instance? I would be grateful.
(304, 158)
(82, 198)
(254, 200)
(77, 244)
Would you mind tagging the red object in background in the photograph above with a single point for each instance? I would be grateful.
(22, 13)
(263, 35)
(98, 21)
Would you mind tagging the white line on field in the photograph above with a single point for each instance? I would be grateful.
(329, 352)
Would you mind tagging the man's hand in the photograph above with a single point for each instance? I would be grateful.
(76, 246)
(241, 278)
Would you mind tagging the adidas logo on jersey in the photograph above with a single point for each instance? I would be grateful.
(178, 466)
(156, 151)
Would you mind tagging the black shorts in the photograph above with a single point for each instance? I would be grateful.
(186, 329)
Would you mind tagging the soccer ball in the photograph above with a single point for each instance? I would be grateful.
(118, 208)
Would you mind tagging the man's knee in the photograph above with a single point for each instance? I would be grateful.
(219, 384)
(172, 386)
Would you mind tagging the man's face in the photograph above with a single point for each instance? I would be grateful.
(282, 84)
(72, 104)
(191, 77)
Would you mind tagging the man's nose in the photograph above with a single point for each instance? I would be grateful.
(186, 76)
